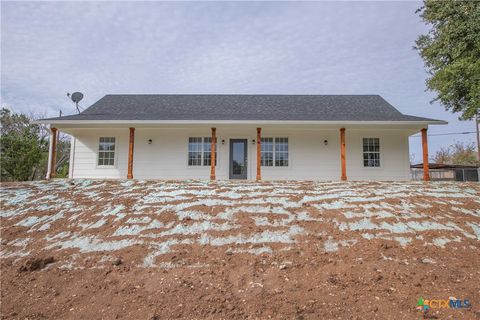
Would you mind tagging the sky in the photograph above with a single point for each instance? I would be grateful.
(99, 48)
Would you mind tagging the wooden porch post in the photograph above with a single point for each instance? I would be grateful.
(130, 153)
(212, 154)
(259, 155)
(53, 155)
(343, 155)
(426, 172)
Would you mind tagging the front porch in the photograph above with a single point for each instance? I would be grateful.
(238, 152)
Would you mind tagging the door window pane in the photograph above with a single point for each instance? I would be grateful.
(238, 158)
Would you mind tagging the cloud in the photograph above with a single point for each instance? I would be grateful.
(51, 48)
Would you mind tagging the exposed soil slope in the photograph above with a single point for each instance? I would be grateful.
(226, 250)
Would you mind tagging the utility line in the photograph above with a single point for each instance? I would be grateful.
(445, 134)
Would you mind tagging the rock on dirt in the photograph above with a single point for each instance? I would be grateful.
(36, 264)
(117, 262)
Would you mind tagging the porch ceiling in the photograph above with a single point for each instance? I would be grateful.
(410, 128)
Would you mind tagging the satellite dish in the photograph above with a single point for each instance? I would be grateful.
(76, 97)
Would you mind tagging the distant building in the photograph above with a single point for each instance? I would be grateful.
(447, 172)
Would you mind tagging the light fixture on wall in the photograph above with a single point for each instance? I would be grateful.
(223, 141)
(325, 142)
(150, 141)
(253, 141)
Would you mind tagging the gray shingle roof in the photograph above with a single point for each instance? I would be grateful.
(243, 107)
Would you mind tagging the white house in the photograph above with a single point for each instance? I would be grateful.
(268, 137)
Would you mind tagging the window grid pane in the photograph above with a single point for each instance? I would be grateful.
(266, 152)
(195, 151)
(106, 151)
(281, 152)
(371, 152)
(207, 148)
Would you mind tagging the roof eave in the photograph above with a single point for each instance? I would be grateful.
(339, 122)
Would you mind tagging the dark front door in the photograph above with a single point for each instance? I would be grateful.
(238, 158)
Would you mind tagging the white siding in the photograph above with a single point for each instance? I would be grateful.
(309, 157)
(166, 157)
(394, 155)
(86, 151)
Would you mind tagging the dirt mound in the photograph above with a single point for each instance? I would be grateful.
(201, 250)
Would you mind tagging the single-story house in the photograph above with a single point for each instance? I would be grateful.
(270, 137)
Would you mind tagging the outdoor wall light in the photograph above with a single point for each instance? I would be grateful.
(253, 141)
(223, 141)
(150, 141)
(325, 142)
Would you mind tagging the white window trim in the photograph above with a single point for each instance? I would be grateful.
(115, 157)
(380, 153)
(202, 152)
(274, 149)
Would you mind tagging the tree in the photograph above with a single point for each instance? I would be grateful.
(24, 149)
(21, 148)
(451, 52)
(458, 153)
(63, 156)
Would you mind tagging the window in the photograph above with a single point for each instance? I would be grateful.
(274, 152)
(199, 151)
(371, 152)
(207, 155)
(106, 151)
(195, 151)
(266, 152)
(281, 152)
